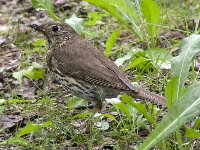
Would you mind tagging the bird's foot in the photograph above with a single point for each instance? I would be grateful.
(86, 125)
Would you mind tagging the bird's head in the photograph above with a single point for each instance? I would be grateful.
(57, 33)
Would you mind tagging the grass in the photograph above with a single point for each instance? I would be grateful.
(130, 128)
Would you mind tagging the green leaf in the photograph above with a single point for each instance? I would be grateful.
(11, 101)
(160, 58)
(104, 125)
(53, 15)
(191, 132)
(39, 43)
(34, 72)
(94, 17)
(140, 107)
(18, 75)
(139, 62)
(45, 5)
(110, 116)
(121, 60)
(124, 10)
(131, 14)
(109, 6)
(151, 13)
(30, 127)
(171, 91)
(183, 110)
(197, 124)
(90, 33)
(132, 52)
(123, 108)
(76, 102)
(76, 23)
(110, 41)
(81, 115)
(16, 141)
(27, 51)
(181, 64)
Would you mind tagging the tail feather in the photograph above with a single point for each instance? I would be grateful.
(144, 94)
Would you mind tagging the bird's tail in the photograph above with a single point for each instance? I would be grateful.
(144, 94)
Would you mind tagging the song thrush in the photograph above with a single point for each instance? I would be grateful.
(84, 70)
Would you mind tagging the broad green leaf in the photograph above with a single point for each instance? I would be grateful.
(42, 4)
(123, 108)
(170, 91)
(18, 75)
(11, 101)
(160, 58)
(123, 10)
(76, 102)
(109, 6)
(76, 23)
(34, 72)
(81, 115)
(139, 62)
(151, 13)
(37, 49)
(94, 17)
(53, 15)
(30, 127)
(45, 5)
(110, 116)
(183, 110)
(110, 41)
(127, 9)
(197, 124)
(39, 42)
(124, 130)
(27, 51)
(90, 33)
(121, 60)
(181, 64)
(132, 14)
(16, 141)
(104, 125)
(140, 107)
(191, 132)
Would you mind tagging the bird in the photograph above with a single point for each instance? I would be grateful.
(83, 70)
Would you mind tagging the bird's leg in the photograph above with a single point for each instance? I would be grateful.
(97, 108)
(88, 122)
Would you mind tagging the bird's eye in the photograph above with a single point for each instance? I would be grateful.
(55, 28)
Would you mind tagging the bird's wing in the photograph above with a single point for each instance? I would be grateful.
(94, 73)
(112, 67)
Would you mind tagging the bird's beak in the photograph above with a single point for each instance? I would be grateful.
(36, 27)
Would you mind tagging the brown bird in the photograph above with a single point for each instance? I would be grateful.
(84, 70)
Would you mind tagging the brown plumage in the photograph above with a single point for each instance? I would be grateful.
(83, 69)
